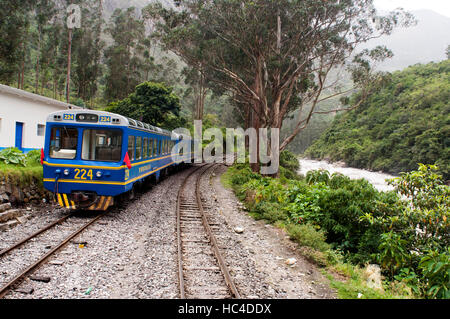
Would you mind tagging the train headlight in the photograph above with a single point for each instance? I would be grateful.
(98, 174)
(66, 172)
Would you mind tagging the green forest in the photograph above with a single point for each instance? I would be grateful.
(405, 122)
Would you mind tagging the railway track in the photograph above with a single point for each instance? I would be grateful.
(55, 247)
(202, 271)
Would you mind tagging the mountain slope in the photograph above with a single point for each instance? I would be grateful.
(406, 122)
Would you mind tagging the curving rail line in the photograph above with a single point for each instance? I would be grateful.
(200, 275)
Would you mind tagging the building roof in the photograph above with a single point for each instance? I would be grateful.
(4, 89)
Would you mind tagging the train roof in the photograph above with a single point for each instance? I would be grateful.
(105, 118)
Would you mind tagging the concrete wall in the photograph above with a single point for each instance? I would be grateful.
(30, 109)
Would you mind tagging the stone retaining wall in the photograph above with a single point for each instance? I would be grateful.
(22, 194)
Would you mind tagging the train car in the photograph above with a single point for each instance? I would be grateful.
(91, 157)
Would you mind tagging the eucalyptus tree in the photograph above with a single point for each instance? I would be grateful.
(124, 57)
(88, 48)
(275, 56)
(14, 24)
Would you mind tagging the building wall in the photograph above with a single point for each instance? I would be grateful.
(31, 112)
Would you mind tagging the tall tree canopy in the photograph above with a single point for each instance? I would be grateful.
(152, 103)
(14, 22)
(123, 57)
(275, 56)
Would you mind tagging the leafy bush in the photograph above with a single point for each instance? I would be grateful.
(33, 157)
(289, 161)
(417, 226)
(13, 156)
(318, 176)
(308, 235)
(269, 211)
(435, 267)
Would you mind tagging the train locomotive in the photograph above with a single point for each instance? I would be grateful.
(91, 157)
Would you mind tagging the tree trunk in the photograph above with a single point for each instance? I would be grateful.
(256, 123)
(69, 62)
(38, 58)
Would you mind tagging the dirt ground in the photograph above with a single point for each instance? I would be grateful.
(270, 248)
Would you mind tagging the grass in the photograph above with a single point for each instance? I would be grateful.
(225, 179)
(20, 175)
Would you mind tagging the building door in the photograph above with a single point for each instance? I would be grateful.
(19, 135)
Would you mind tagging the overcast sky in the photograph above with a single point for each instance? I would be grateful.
(440, 6)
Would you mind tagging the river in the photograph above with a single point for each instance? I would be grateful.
(378, 180)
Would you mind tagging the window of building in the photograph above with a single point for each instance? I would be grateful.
(131, 147)
(138, 148)
(40, 130)
(63, 142)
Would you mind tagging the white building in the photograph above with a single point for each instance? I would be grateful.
(23, 116)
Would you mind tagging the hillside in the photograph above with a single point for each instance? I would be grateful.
(405, 123)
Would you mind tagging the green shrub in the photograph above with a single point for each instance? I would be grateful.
(289, 161)
(33, 157)
(308, 235)
(12, 156)
(435, 267)
(318, 176)
(269, 211)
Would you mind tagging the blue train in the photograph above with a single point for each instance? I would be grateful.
(91, 157)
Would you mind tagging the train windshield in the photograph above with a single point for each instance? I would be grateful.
(102, 145)
(63, 142)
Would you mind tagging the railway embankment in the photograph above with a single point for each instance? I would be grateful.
(21, 178)
(21, 187)
(19, 193)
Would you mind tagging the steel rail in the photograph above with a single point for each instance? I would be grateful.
(180, 253)
(229, 281)
(4, 290)
(23, 241)
(224, 269)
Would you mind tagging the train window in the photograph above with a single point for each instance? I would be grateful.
(155, 147)
(138, 148)
(131, 147)
(150, 147)
(63, 142)
(145, 145)
(102, 145)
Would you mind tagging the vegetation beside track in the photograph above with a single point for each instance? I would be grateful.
(343, 225)
(21, 169)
